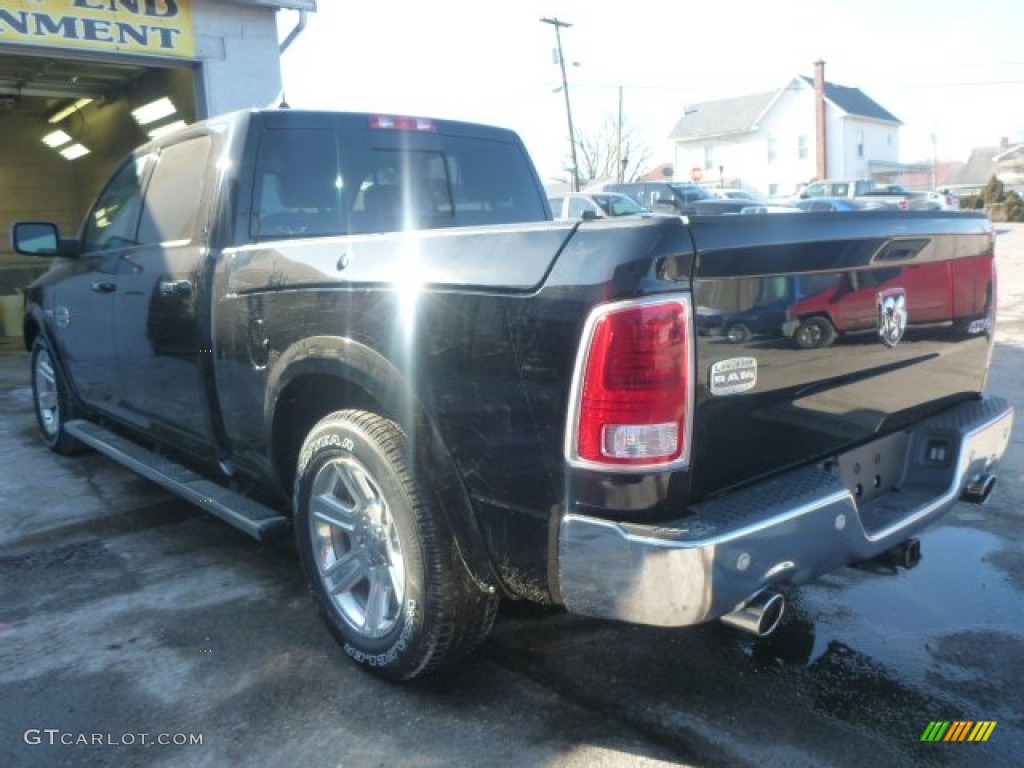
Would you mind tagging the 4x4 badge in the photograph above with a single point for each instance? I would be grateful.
(892, 315)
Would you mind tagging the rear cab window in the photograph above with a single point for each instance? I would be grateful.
(348, 178)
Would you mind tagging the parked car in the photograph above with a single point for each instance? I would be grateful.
(734, 194)
(768, 207)
(663, 196)
(715, 206)
(599, 205)
(944, 200)
(818, 204)
(869, 191)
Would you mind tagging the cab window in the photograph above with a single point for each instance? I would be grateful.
(174, 194)
(113, 221)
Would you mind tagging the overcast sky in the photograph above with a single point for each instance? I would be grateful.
(952, 69)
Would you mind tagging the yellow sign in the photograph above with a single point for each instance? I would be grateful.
(160, 27)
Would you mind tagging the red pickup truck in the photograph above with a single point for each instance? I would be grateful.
(956, 293)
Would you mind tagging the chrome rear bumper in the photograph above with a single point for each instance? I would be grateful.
(787, 530)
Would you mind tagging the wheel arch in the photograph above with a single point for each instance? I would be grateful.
(824, 314)
(322, 374)
(36, 325)
(33, 326)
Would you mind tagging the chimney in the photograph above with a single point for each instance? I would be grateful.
(819, 119)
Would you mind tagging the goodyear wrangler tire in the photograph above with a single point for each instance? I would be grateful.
(383, 567)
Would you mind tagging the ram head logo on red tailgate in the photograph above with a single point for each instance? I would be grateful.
(892, 315)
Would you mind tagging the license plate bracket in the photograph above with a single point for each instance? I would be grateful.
(873, 469)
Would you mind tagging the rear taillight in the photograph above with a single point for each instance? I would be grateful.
(632, 387)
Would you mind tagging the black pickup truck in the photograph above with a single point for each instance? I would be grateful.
(366, 330)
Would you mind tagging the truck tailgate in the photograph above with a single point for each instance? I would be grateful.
(819, 332)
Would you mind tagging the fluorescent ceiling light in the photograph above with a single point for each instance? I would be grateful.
(155, 110)
(56, 139)
(73, 107)
(74, 152)
(161, 130)
(296, 5)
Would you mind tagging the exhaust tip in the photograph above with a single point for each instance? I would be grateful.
(760, 615)
(978, 488)
(906, 554)
(909, 554)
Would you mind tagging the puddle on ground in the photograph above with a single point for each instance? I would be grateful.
(966, 583)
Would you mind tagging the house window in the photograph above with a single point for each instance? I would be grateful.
(773, 190)
(709, 156)
(801, 147)
(773, 149)
(860, 143)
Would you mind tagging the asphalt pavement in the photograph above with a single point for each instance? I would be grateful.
(137, 631)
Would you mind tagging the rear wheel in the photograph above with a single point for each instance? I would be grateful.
(383, 568)
(814, 333)
(53, 403)
(737, 334)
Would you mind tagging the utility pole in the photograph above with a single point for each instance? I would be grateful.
(558, 25)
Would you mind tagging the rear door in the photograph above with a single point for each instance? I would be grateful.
(160, 318)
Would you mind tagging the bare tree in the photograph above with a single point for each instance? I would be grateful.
(598, 153)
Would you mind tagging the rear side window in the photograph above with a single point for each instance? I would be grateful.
(320, 182)
(173, 196)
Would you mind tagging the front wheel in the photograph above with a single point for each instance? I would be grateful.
(53, 402)
(814, 333)
(384, 569)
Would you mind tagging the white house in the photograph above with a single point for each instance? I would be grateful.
(770, 141)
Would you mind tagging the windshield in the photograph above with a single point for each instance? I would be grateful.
(690, 192)
(618, 205)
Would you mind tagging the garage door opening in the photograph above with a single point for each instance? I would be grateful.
(66, 123)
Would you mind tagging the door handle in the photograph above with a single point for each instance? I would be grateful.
(175, 288)
(103, 286)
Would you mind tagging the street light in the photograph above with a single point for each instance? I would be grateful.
(565, 89)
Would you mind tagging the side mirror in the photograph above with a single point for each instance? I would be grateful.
(589, 215)
(35, 238)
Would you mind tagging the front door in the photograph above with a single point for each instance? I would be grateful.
(86, 293)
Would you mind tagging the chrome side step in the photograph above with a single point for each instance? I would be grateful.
(255, 519)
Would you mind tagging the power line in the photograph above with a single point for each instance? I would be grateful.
(761, 89)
